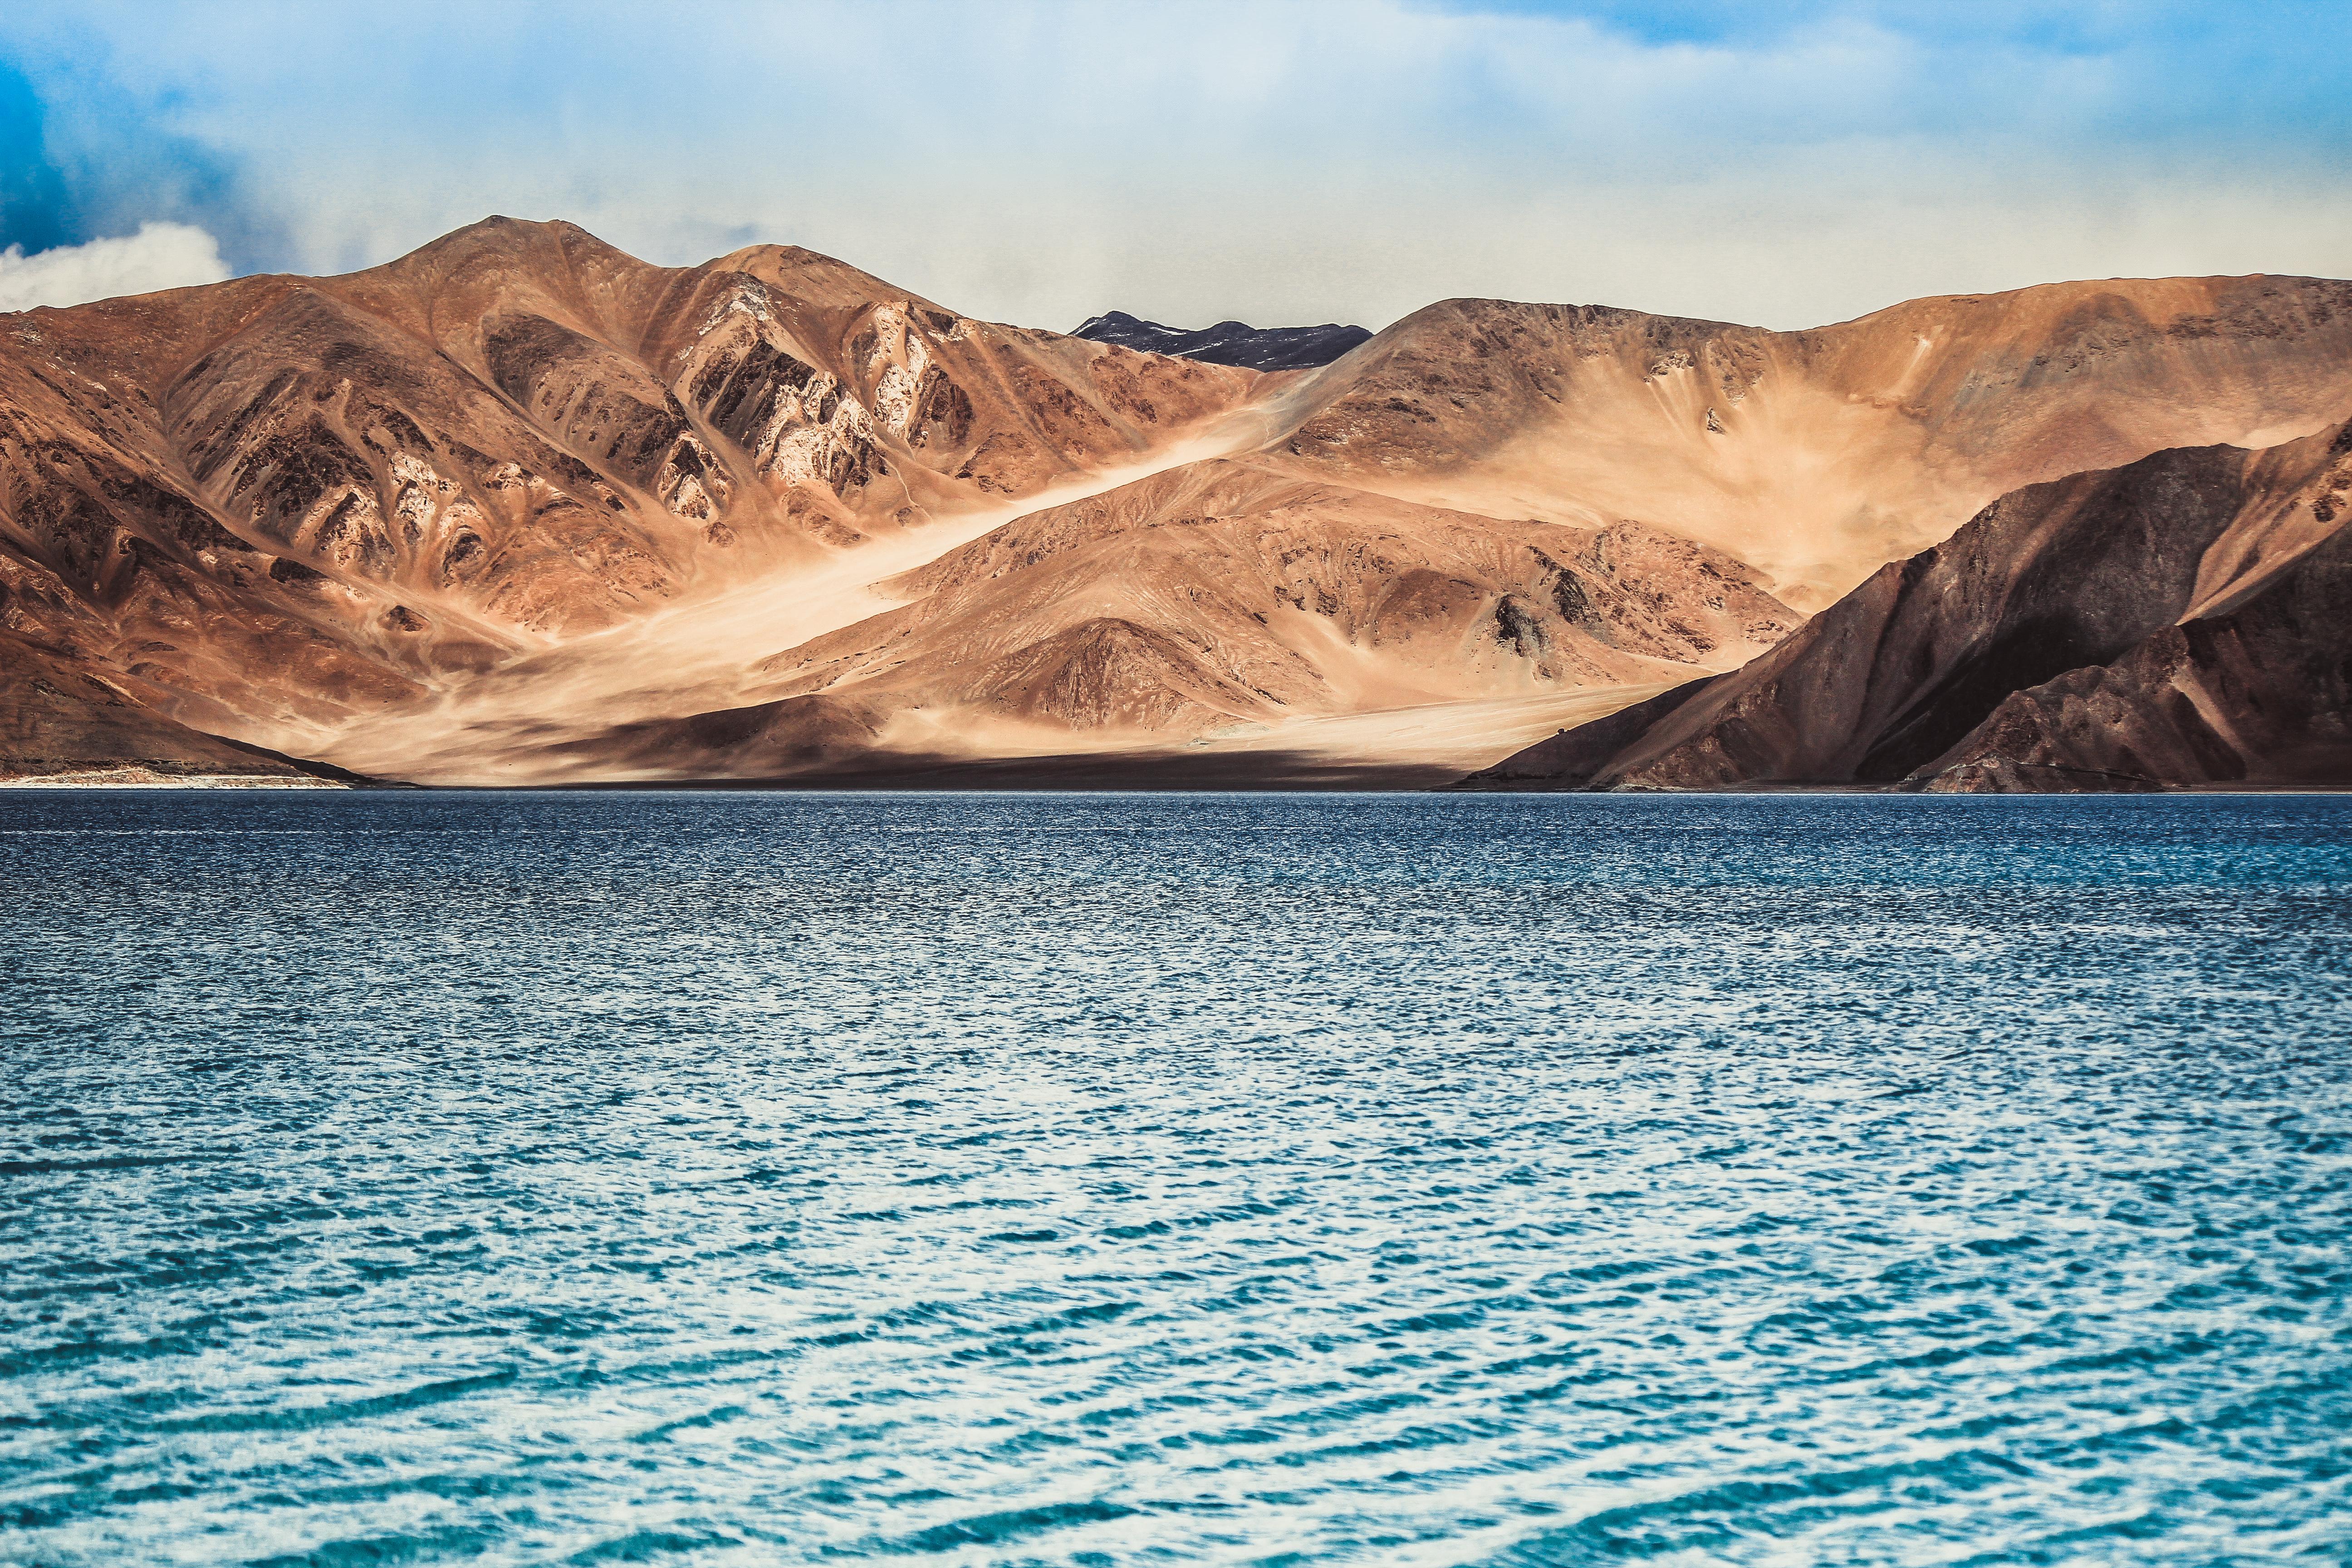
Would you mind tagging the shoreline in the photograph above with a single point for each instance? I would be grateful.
(1373, 781)
(136, 777)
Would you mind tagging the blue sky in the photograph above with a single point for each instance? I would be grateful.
(1786, 165)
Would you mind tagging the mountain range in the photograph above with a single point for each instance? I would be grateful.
(520, 509)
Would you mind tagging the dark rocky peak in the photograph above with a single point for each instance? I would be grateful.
(1228, 342)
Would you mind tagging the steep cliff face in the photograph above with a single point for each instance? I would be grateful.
(280, 503)
(2178, 621)
(2253, 690)
(1819, 455)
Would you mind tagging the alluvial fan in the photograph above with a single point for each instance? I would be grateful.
(1105, 1179)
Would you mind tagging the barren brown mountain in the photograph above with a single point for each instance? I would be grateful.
(1817, 455)
(518, 507)
(280, 506)
(2182, 621)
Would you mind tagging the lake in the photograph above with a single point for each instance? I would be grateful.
(705, 1178)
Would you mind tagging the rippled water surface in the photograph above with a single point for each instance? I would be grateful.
(739, 1179)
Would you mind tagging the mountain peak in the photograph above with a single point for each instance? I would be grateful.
(1228, 342)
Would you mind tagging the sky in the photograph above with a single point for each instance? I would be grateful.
(1283, 162)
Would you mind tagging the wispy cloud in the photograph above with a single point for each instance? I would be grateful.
(159, 256)
(1316, 159)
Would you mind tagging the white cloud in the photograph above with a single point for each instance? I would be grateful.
(159, 256)
(1041, 161)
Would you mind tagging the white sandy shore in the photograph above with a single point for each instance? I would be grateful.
(135, 777)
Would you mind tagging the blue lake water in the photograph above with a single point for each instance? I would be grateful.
(750, 1179)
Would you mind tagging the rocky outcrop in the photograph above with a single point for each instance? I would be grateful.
(2180, 621)
(1228, 342)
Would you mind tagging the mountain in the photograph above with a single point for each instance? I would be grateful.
(276, 506)
(518, 507)
(1817, 455)
(2179, 621)
(1228, 342)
